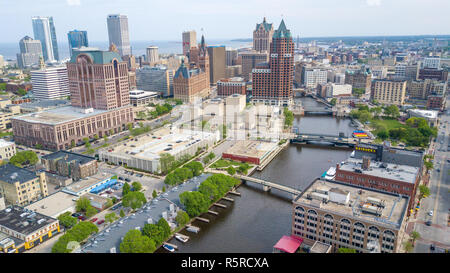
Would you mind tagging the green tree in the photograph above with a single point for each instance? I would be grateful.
(135, 242)
(182, 218)
(231, 170)
(358, 92)
(136, 186)
(428, 165)
(424, 191)
(125, 189)
(122, 213)
(78, 233)
(96, 137)
(408, 246)
(392, 111)
(194, 202)
(155, 232)
(134, 200)
(67, 220)
(333, 101)
(164, 189)
(24, 158)
(165, 226)
(196, 167)
(154, 194)
(110, 217)
(346, 250)
(167, 162)
(415, 236)
(288, 117)
(72, 143)
(383, 135)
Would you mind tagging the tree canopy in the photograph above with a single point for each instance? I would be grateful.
(135, 242)
(134, 200)
(24, 158)
(67, 220)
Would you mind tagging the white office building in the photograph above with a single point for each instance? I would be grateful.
(315, 76)
(50, 83)
(118, 33)
(432, 62)
(152, 54)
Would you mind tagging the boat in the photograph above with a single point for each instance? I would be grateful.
(181, 238)
(331, 173)
(168, 248)
(352, 155)
(193, 229)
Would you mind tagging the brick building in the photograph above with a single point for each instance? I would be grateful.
(227, 87)
(262, 36)
(68, 164)
(359, 79)
(433, 73)
(436, 102)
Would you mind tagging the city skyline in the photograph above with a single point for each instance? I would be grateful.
(350, 18)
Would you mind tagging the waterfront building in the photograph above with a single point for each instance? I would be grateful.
(389, 91)
(96, 109)
(20, 186)
(157, 79)
(230, 86)
(189, 41)
(262, 36)
(77, 39)
(383, 176)
(30, 52)
(361, 78)
(388, 154)
(250, 151)
(152, 55)
(17, 237)
(217, 63)
(272, 82)
(68, 164)
(330, 90)
(349, 216)
(250, 60)
(44, 31)
(118, 33)
(314, 76)
(50, 83)
(7, 149)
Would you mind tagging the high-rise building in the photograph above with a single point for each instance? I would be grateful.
(231, 56)
(272, 82)
(157, 79)
(262, 36)
(118, 33)
(77, 39)
(30, 51)
(250, 60)
(314, 76)
(152, 54)
(389, 91)
(189, 40)
(44, 31)
(50, 83)
(216, 63)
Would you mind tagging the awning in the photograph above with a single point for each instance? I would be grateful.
(289, 244)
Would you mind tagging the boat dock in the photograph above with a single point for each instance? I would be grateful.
(220, 205)
(228, 199)
(182, 235)
(192, 228)
(213, 212)
(235, 193)
(172, 245)
(268, 159)
(202, 219)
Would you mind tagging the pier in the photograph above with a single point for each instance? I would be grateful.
(213, 212)
(202, 219)
(235, 193)
(220, 205)
(228, 199)
(172, 245)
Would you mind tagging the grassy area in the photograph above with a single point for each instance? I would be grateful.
(388, 124)
(3, 134)
(224, 163)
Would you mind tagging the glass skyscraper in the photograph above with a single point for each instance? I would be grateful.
(118, 33)
(44, 31)
(77, 39)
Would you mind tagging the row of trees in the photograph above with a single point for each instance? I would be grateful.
(208, 158)
(84, 205)
(78, 233)
(24, 158)
(146, 241)
(168, 162)
(180, 175)
(417, 132)
(161, 110)
(210, 190)
(288, 117)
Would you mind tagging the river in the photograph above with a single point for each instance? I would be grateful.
(256, 220)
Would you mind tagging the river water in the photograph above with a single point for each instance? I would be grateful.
(256, 220)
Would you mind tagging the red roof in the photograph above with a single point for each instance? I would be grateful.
(289, 244)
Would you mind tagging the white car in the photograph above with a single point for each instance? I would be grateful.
(430, 213)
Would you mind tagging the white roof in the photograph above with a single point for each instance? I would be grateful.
(4, 143)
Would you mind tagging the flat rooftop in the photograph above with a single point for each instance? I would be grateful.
(137, 94)
(4, 143)
(320, 247)
(61, 115)
(45, 103)
(152, 146)
(23, 221)
(392, 214)
(69, 157)
(54, 204)
(12, 174)
(87, 182)
(402, 173)
(252, 148)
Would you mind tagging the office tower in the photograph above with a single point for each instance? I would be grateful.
(118, 33)
(77, 39)
(44, 31)
(107, 70)
(250, 60)
(157, 79)
(262, 36)
(152, 54)
(30, 51)
(389, 91)
(314, 76)
(272, 82)
(189, 40)
(231, 56)
(50, 83)
(216, 63)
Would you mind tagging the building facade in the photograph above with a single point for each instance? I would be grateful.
(50, 83)
(44, 31)
(217, 63)
(152, 54)
(262, 36)
(228, 87)
(389, 91)
(118, 33)
(359, 79)
(77, 39)
(30, 52)
(157, 79)
(189, 40)
(272, 82)
(68, 164)
(7, 149)
(433, 73)
(314, 76)
(249, 62)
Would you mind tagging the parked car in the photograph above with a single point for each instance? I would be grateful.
(93, 220)
(81, 217)
(76, 215)
(127, 179)
(430, 213)
(108, 192)
(432, 247)
(100, 222)
(428, 223)
(139, 175)
(120, 178)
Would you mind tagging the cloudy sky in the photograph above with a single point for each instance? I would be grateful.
(224, 19)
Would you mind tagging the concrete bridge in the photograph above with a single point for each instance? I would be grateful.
(318, 111)
(268, 185)
(335, 140)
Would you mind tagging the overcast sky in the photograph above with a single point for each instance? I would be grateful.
(224, 19)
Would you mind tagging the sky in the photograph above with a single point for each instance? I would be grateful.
(228, 19)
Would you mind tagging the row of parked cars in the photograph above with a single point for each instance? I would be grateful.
(81, 217)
